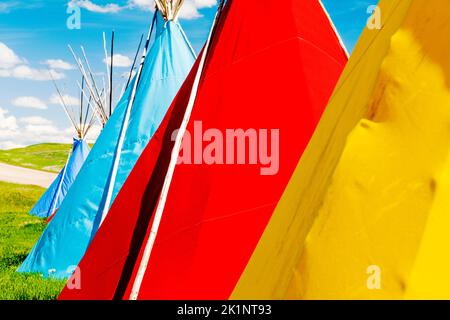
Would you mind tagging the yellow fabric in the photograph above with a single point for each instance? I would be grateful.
(374, 171)
(273, 263)
(430, 277)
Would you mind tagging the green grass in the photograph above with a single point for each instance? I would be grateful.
(47, 157)
(18, 233)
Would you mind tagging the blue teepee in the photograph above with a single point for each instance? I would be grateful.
(55, 194)
(134, 121)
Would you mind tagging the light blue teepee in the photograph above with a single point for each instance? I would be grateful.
(68, 235)
(55, 194)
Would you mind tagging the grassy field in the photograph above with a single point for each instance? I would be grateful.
(18, 232)
(48, 157)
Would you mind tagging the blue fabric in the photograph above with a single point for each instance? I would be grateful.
(68, 235)
(51, 200)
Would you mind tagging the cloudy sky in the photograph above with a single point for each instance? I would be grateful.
(33, 40)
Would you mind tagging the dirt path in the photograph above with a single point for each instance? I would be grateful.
(21, 175)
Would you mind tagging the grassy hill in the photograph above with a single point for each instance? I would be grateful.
(18, 232)
(47, 157)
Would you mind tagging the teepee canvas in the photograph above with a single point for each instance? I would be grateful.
(186, 222)
(55, 194)
(137, 116)
(366, 215)
(82, 120)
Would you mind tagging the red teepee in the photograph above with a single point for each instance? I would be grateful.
(272, 66)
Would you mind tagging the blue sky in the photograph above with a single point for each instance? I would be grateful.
(32, 32)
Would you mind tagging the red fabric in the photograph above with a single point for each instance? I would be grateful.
(267, 69)
(51, 217)
(107, 256)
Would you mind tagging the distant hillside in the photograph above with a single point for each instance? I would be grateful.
(47, 157)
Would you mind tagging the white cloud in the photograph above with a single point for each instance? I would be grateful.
(8, 6)
(142, 4)
(7, 122)
(15, 133)
(8, 58)
(90, 6)
(7, 145)
(189, 12)
(32, 134)
(58, 64)
(204, 3)
(190, 8)
(25, 72)
(29, 102)
(8, 129)
(68, 100)
(29, 130)
(35, 121)
(119, 61)
(42, 129)
(12, 66)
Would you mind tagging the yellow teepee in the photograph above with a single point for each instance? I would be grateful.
(366, 214)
